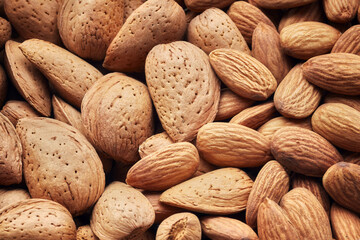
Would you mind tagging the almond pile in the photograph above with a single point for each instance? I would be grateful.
(180, 119)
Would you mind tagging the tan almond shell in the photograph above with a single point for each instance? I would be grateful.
(11, 166)
(130, 6)
(3, 85)
(341, 182)
(5, 31)
(295, 97)
(232, 145)
(246, 17)
(164, 168)
(200, 5)
(214, 29)
(36, 219)
(204, 167)
(70, 76)
(154, 22)
(224, 228)
(85, 233)
(183, 87)
(339, 124)
(60, 164)
(340, 11)
(281, 4)
(95, 21)
(222, 191)
(14, 110)
(118, 116)
(345, 224)
(272, 182)
(27, 79)
(304, 151)
(154, 143)
(349, 41)
(121, 212)
(254, 117)
(185, 226)
(10, 196)
(352, 101)
(34, 19)
(243, 74)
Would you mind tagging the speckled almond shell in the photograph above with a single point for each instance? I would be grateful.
(153, 23)
(34, 18)
(280, 4)
(122, 212)
(60, 164)
(183, 87)
(85, 233)
(9, 196)
(117, 115)
(36, 219)
(5, 31)
(87, 27)
(154, 143)
(214, 29)
(27, 79)
(10, 154)
(69, 75)
(15, 110)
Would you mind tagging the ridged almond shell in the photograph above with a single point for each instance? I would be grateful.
(5, 31)
(85, 233)
(154, 143)
(14, 110)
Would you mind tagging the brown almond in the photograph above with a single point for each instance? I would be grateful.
(281, 4)
(199, 5)
(14, 110)
(85, 233)
(349, 41)
(154, 143)
(232, 145)
(130, 6)
(5, 31)
(352, 157)
(3, 85)
(243, 74)
(340, 11)
(352, 101)
(9, 196)
(345, 224)
(204, 167)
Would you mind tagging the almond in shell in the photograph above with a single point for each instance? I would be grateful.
(9, 196)
(154, 143)
(5, 31)
(14, 110)
(199, 5)
(281, 4)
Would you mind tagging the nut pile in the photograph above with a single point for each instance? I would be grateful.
(186, 119)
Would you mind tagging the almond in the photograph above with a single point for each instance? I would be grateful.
(60, 164)
(85, 233)
(122, 212)
(130, 6)
(281, 4)
(352, 157)
(352, 101)
(304, 40)
(305, 212)
(247, 17)
(14, 110)
(180, 226)
(222, 191)
(199, 5)
(96, 21)
(5, 31)
(341, 182)
(3, 85)
(36, 219)
(232, 145)
(10, 196)
(204, 167)
(340, 11)
(154, 143)
(295, 97)
(349, 41)
(303, 151)
(339, 124)
(214, 29)
(153, 23)
(183, 87)
(255, 116)
(164, 168)
(224, 228)
(70, 76)
(345, 224)
(27, 79)
(267, 49)
(34, 19)
(272, 183)
(243, 74)
(10, 154)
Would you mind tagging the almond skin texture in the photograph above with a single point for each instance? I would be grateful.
(247, 17)
(36, 219)
(130, 6)
(336, 72)
(224, 228)
(122, 212)
(60, 164)
(10, 154)
(10, 196)
(154, 143)
(281, 4)
(339, 124)
(185, 226)
(304, 40)
(15, 110)
(85, 233)
(70, 76)
(87, 27)
(5, 31)
(27, 79)
(232, 145)
(274, 223)
(303, 151)
(305, 212)
(243, 74)
(352, 101)
(222, 191)
(3, 85)
(272, 183)
(345, 224)
(341, 182)
(164, 168)
(352, 157)
(267, 49)
(295, 97)
(214, 29)
(201, 5)
(340, 11)
(153, 23)
(34, 18)
(349, 41)
(183, 87)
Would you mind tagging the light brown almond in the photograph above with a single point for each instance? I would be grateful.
(3, 86)
(352, 101)
(9, 196)
(340, 11)
(345, 224)
(85, 233)
(154, 143)
(199, 5)
(349, 41)
(281, 4)
(14, 110)
(130, 6)
(5, 31)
